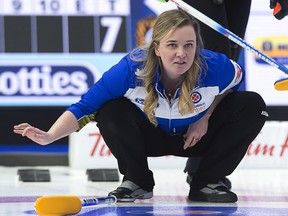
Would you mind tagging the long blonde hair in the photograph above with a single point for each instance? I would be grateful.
(165, 23)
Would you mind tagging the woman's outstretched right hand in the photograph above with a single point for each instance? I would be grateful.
(33, 133)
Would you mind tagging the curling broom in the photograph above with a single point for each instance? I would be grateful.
(67, 205)
(281, 84)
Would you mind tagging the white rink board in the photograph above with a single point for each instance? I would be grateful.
(87, 149)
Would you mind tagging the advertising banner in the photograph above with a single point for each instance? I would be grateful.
(87, 149)
(270, 36)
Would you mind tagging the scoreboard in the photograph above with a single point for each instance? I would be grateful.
(64, 7)
(64, 26)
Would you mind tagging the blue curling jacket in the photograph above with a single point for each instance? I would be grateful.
(122, 80)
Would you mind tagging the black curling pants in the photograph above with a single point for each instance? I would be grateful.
(234, 124)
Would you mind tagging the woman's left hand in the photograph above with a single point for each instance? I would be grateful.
(195, 132)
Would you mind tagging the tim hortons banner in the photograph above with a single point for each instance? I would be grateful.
(87, 149)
